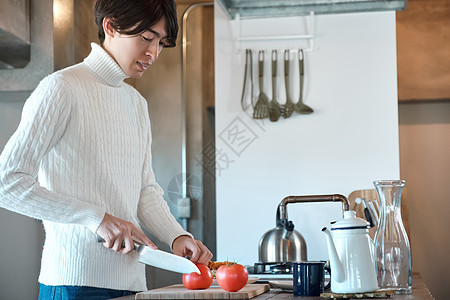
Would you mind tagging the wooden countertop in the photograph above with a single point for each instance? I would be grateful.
(419, 292)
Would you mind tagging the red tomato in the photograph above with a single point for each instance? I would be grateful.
(195, 281)
(232, 278)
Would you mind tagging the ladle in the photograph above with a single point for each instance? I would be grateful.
(300, 107)
(275, 108)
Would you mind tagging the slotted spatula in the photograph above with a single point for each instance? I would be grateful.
(261, 110)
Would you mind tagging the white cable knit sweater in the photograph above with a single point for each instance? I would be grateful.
(82, 149)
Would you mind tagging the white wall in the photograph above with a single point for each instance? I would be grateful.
(350, 140)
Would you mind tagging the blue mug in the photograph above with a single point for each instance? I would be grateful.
(309, 277)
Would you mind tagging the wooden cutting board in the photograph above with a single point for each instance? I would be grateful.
(178, 291)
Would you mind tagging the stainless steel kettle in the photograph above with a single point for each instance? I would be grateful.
(283, 243)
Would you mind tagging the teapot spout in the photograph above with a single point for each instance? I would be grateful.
(337, 269)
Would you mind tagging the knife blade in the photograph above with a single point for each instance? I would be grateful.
(162, 259)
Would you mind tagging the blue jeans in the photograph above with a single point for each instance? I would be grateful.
(68, 292)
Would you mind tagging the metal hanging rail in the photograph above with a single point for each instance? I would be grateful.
(310, 37)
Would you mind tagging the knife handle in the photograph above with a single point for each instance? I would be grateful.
(136, 242)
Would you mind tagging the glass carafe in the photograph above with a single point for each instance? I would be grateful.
(393, 252)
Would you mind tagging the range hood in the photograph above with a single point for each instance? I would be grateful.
(284, 8)
(23, 34)
(55, 34)
(14, 34)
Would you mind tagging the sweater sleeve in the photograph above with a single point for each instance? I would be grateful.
(44, 119)
(153, 211)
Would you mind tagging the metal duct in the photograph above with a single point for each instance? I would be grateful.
(60, 32)
(14, 34)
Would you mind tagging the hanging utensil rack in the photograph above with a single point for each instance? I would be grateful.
(309, 37)
(251, 9)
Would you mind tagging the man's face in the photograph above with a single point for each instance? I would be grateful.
(135, 53)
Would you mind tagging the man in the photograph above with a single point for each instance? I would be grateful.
(80, 160)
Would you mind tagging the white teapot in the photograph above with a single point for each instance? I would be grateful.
(351, 251)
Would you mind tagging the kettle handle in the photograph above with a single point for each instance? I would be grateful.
(288, 226)
(278, 220)
(282, 218)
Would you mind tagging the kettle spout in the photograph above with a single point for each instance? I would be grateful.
(337, 269)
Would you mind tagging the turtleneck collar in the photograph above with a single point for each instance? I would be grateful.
(104, 66)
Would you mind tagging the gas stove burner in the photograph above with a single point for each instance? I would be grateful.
(283, 268)
(273, 268)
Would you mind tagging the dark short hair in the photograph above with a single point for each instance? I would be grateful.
(125, 14)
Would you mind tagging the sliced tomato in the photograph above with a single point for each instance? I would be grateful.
(195, 281)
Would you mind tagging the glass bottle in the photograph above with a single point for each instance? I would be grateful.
(393, 252)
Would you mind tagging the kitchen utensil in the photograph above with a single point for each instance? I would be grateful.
(275, 108)
(350, 253)
(393, 252)
(309, 278)
(261, 110)
(377, 206)
(300, 107)
(161, 259)
(178, 291)
(367, 213)
(374, 211)
(248, 77)
(283, 243)
(288, 108)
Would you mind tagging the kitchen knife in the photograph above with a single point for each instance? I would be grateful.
(162, 259)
